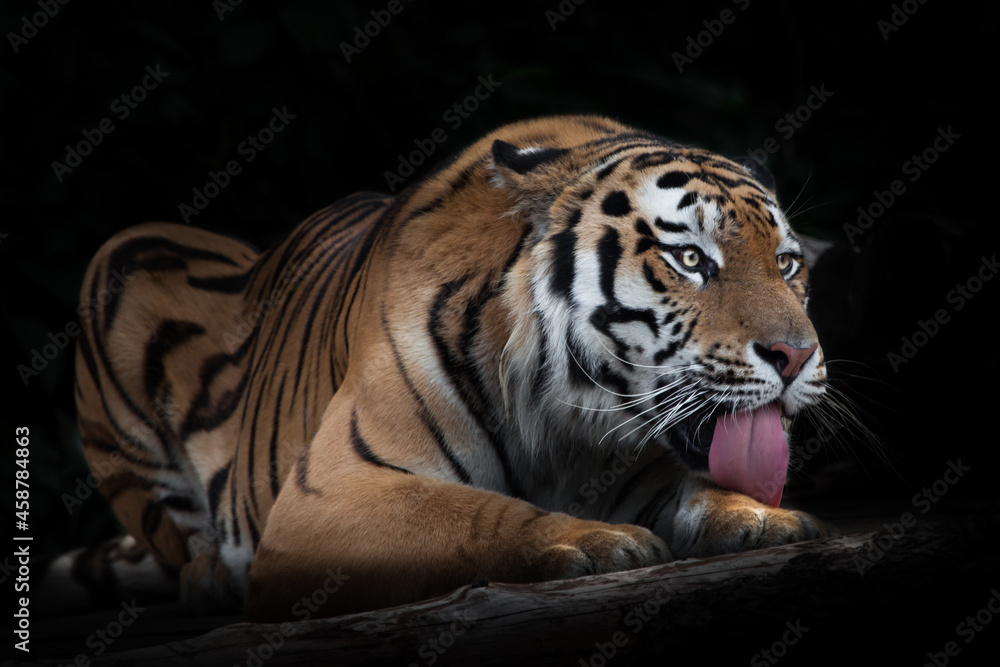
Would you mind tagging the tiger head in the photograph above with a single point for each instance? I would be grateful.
(669, 298)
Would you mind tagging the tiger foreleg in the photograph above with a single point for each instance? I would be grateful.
(402, 539)
(712, 521)
(351, 532)
(697, 518)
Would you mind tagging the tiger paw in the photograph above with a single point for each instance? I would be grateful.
(591, 547)
(206, 586)
(732, 522)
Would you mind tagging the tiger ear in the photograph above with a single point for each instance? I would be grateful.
(757, 170)
(515, 167)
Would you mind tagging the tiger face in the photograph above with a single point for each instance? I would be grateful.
(679, 291)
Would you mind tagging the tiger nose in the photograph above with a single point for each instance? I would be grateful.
(787, 360)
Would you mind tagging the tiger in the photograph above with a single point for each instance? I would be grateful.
(573, 348)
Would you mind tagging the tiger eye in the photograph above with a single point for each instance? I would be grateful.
(784, 262)
(690, 258)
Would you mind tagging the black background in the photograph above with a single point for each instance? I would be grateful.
(891, 94)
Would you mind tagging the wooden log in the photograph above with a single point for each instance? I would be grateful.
(896, 594)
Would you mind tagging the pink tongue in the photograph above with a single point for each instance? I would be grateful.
(749, 454)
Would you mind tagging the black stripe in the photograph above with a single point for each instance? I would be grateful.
(251, 449)
(520, 160)
(202, 414)
(360, 260)
(273, 447)
(169, 335)
(215, 486)
(687, 200)
(610, 380)
(236, 533)
(114, 449)
(425, 414)
(654, 282)
(647, 242)
(563, 263)
(435, 204)
(163, 263)
(726, 182)
(365, 452)
(451, 188)
(573, 218)
(671, 349)
(628, 147)
(666, 353)
(464, 177)
(467, 387)
(690, 331)
(233, 284)
(126, 256)
(181, 503)
(605, 315)
(616, 204)
(647, 316)
(301, 291)
(607, 170)
(166, 438)
(634, 139)
(673, 179)
(301, 474)
(124, 436)
(541, 369)
(315, 231)
(579, 373)
(671, 226)
(654, 159)
(313, 293)
(252, 525)
(609, 252)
